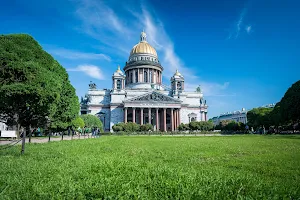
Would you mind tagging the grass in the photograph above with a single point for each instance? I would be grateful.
(122, 167)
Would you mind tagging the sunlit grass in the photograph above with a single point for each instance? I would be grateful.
(122, 167)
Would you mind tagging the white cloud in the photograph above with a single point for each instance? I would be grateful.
(75, 55)
(248, 29)
(90, 70)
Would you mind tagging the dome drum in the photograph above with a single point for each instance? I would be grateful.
(143, 66)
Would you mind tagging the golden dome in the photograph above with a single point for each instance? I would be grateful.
(118, 70)
(177, 73)
(143, 46)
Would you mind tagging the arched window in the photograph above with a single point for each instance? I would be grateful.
(118, 84)
(145, 77)
(131, 77)
(141, 58)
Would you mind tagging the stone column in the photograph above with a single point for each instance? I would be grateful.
(138, 72)
(179, 116)
(143, 76)
(125, 115)
(165, 120)
(172, 119)
(133, 76)
(142, 117)
(149, 115)
(133, 115)
(176, 119)
(148, 76)
(157, 121)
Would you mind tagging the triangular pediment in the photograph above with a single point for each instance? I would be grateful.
(154, 97)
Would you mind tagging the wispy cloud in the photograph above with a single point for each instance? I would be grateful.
(239, 24)
(90, 70)
(100, 22)
(209, 88)
(75, 55)
(248, 29)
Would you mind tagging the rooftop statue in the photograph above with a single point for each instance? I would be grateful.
(92, 86)
(198, 89)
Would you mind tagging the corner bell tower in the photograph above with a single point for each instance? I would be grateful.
(177, 83)
(118, 80)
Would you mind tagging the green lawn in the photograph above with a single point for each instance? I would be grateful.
(143, 167)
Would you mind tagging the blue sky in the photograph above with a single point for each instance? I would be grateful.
(244, 54)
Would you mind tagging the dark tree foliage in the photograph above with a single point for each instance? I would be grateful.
(288, 109)
(230, 125)
(258, 117)
(201, 126)
(33, 86)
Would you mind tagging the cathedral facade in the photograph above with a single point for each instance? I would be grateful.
(138, 95)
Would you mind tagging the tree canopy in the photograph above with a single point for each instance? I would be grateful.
(77, 123)
(259, 117)
(34, 88)
(288, 109)
(92, 121)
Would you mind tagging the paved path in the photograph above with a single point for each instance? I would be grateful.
(58, 138)
(45, 139)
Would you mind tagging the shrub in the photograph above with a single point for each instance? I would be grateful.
(146, 127)
(117, 128)
(183, 127)
(127, 127)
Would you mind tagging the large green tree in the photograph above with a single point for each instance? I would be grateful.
(33, 86)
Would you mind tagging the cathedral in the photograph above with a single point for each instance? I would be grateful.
(138, 95)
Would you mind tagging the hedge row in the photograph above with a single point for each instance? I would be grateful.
(131, 127)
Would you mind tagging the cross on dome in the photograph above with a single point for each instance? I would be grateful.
(143, 36)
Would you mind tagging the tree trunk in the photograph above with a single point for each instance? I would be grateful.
(30, 134)
(23, 140)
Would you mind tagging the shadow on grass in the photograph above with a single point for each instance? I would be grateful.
(280, 136)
